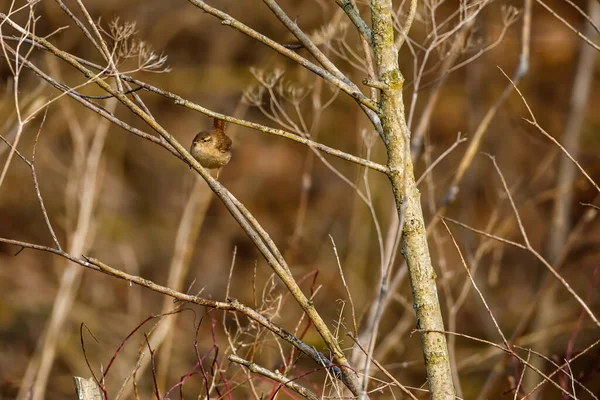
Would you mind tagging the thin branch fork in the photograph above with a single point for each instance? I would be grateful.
(86, 102)
(36, 184)
(351, 11)
(527, 246)
(344, 84)
(369, 106)
(509, 351)
(292, 26)
(276, 376)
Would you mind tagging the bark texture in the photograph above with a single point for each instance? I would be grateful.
(408, 205)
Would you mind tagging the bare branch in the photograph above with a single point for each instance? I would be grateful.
(349, 7)
(344, 85)
(276, 376)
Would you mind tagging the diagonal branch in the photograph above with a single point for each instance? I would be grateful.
(347, 374)
(232, 304)
(351, 11)
(86, 102)
(305, 40)
(345, 85)
(276, 376)
(253, 125)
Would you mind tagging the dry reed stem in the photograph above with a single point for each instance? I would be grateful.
(72, 275)
(185, 239)
(561, 221)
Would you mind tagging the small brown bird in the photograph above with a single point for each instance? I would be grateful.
(212, 148)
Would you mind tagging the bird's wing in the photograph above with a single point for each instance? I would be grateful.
(226, 144)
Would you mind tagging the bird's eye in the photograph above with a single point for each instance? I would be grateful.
(206, 139)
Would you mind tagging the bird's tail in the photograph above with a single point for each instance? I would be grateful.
(219, 124)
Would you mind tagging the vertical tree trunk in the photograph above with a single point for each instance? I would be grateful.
(407, 198)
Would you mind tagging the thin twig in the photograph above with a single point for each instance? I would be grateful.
(345, 86)
(536, 254)
(464, 264)
(385, 371)
(345, 285)
(276, 376)
(349, 7)
(534, 122)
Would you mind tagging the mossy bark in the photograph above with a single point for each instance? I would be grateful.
(407, 198)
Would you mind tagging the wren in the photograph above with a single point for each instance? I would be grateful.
(212, 148)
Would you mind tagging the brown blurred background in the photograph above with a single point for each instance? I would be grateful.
(142, 191)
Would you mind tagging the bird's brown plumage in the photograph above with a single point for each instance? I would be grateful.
(212, 148)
